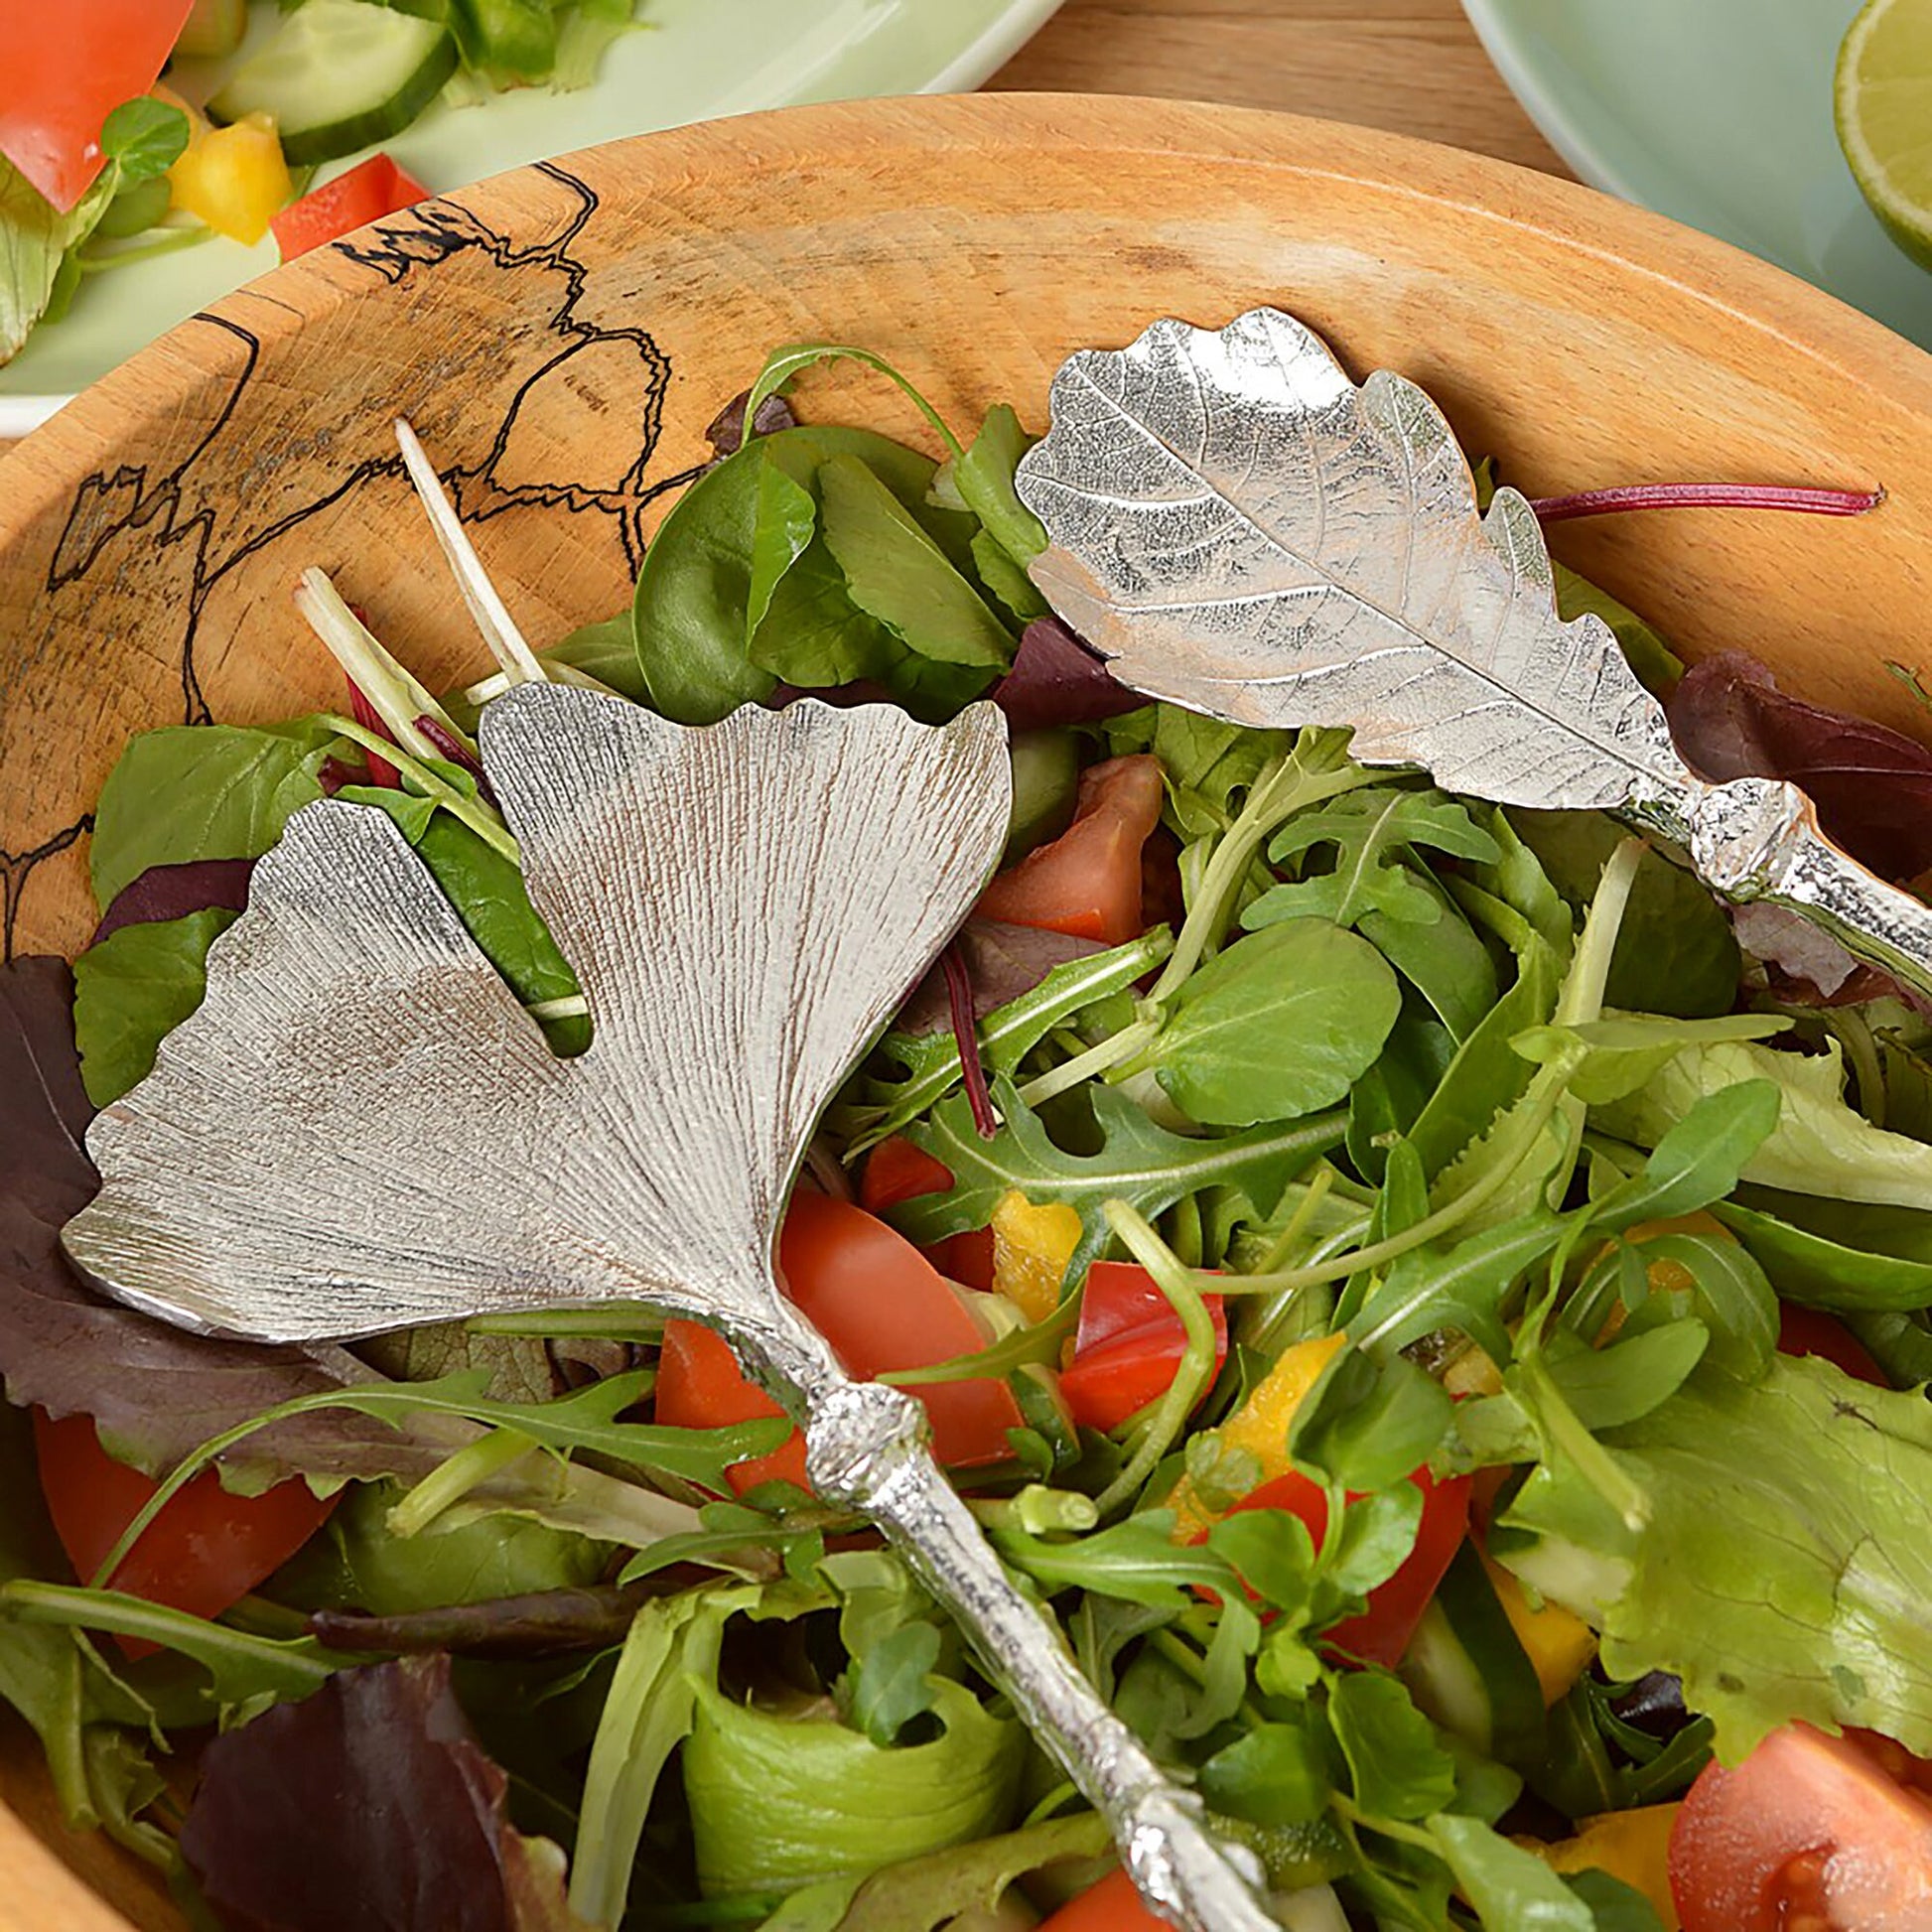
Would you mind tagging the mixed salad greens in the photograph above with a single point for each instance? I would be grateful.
(101, 165)
(1440, 1324)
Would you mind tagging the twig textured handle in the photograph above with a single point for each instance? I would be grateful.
(868, 1445)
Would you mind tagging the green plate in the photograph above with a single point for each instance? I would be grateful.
(692, 59)
(1718, 113)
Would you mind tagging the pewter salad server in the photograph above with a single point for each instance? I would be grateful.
(1239, 528)
(362, 1129)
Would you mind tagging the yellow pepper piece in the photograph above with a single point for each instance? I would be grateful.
(232, 178)
(1634, 1846)
(1259, 1428)
(1560, 1644)
(1031, 1249)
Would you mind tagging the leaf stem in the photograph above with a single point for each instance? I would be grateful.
(1805, 499)
(487, 824)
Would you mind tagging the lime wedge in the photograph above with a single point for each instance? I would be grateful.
(1883, 99)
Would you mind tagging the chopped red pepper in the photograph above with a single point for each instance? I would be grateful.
(370, 191)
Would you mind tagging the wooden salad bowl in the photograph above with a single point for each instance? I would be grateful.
(561, 336)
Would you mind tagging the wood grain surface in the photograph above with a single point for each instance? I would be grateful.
(561, 336)
(1413, 67)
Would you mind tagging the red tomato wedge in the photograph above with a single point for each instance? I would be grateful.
(896, 1170)
(1810, 1331)
(1129, 1344)
(881, 1306)
(1829, 1834)
(370, 191)
(67, 67)
(1087, 881)
(1113, 1905)
(1381, 1633)
(204, 1551)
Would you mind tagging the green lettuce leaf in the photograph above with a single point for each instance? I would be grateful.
(1820, 1145)
(1784, 1561)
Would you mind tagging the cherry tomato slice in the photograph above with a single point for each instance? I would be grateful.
(366, 193)
(1129, 1344)
(206, 1551)
(1087, 881)
(67, 69)
(1833, 1834)
(896, 1170)
(1113, 1905)
(881, 1306)
(1381, 1633)
(1810, 1331)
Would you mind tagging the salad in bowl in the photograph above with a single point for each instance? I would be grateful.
(1430, 1302)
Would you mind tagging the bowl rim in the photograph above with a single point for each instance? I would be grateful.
(43, 1893)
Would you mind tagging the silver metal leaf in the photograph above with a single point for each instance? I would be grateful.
(1244, 531)
(362, 1129)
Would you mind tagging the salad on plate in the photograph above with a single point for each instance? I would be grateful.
(132, 128)
(1435, 1306)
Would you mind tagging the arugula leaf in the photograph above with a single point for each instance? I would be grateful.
(888, 1681)
(1135, 1561)
(1279, 1023)
(1675, 952)
(1459, 1286)
(1783, 1562)
(134, 989)
(1376, 834)
(1397, 1767)
(1698, 1160)
(201, 791)
(1861, 1265)
(1820, 1145)
(1137, 1161)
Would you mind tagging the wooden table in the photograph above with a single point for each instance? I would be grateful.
(1413, 65)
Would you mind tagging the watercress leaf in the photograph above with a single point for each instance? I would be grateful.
(1278, 1773)
(1700, 1157)
(1135, 1161)
(1366, 1425)
(896, 573)
(1397, 1767)
(309, 1791)
(784, 521)
(1819, 1145)
(1278, 1024)
(1512, 1889)
(606, 651)
(1862, 1272)
(200, 792)
(135, 988)
(145, 137)
(1377, 1535)
(1783, 1561)
(1288, 1666)
(1273, 1553)
(1623, 1050)
(1675, 950)
(889, 1684)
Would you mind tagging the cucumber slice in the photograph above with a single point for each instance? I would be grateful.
(341, 74)
(1466, 1668)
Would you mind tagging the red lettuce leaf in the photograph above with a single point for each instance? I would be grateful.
(1056, 680)
(1872, 786)
(726, 430)
(1001, 962)
(174, 892)
(155, 1392)
(368, 1807)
